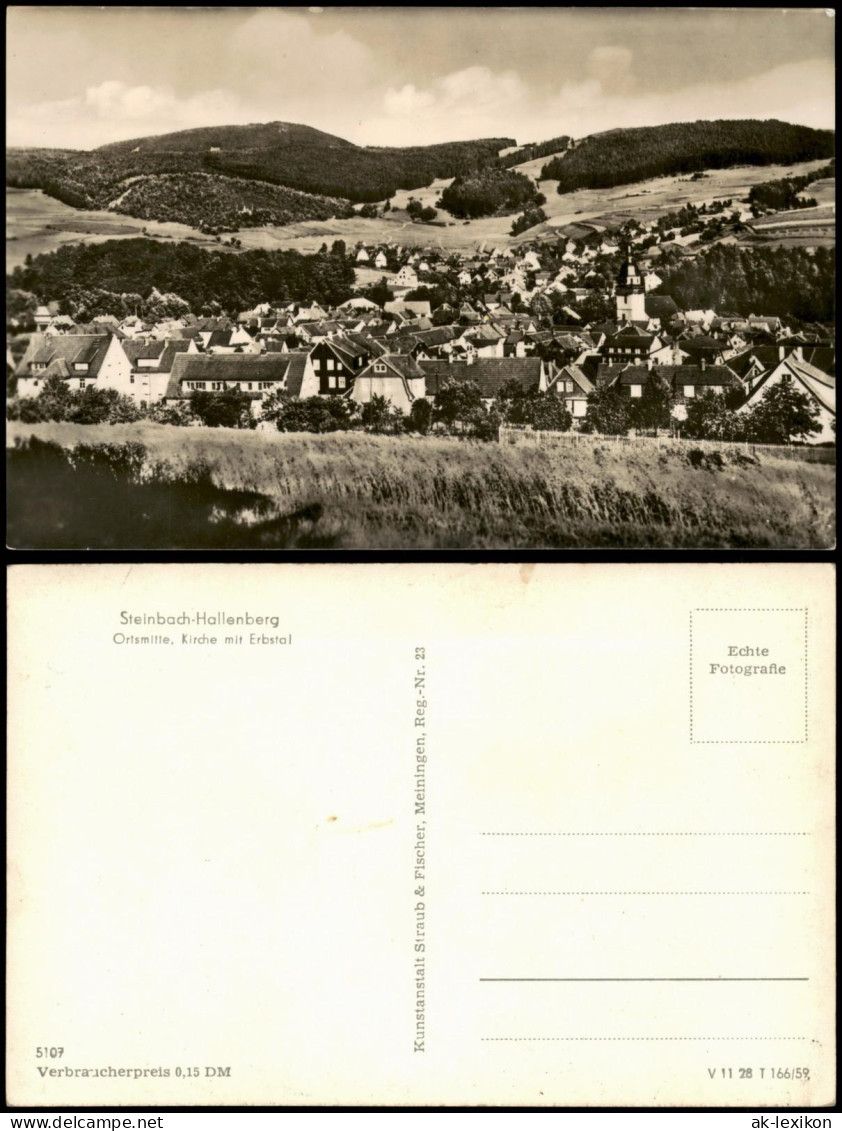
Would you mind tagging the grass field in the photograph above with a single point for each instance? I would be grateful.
(32, 218)
(359, 491)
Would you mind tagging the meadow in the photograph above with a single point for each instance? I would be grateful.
(215, 487)
(36, 223)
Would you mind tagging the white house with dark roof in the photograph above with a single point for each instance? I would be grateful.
(81, 360)
(255, 376)
(818, 386)
(395, 376)
(151, 366)
(489, 373)
(406, 277)
(572, 385)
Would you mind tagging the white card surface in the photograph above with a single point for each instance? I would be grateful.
(421, 834)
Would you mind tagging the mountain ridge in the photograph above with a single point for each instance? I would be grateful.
(333, 172)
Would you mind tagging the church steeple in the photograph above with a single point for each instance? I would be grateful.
(630, 293)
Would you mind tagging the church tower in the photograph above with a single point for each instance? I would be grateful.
(630, 294)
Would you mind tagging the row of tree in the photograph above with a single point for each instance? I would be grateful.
(782, 414)
(783, 194)
(789, 282)
(626, 155)
(79, 275)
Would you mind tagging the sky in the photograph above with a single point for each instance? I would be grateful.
(78, 77)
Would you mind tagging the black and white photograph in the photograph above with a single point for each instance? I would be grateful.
(420, 279)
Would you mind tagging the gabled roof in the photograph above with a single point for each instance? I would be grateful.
(630, 335)
(44, 349)
(680, 375)
(822, 357)
(818, 384)
(577, 376)
(227, 367)
(136, 350)
(488, 372)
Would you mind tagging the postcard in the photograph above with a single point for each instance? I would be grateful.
(378, 277)
(421, 834)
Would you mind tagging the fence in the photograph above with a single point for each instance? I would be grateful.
(526, 434)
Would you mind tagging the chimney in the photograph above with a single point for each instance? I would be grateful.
(781, 353)
(649, 364)
(470, 357)
(704, 364)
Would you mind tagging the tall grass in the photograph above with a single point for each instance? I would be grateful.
(418, 493)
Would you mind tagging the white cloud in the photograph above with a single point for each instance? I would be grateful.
(795, 92)
(610, 67)
(113, 111)
(473, 102)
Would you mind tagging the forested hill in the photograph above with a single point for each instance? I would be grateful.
(623, 156)
(277, 153)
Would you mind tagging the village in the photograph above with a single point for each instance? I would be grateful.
(536, 318)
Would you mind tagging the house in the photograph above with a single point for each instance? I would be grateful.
(380, 260)
(406, 277)
(484, 341)
(573, 385)
(651, 281)
(685, 381)
(415, 307)
(237, 340)
(630, 344)
(151, 366)
(362, 256)
(490, 373)
(703, 347)
(394, 376)
(43, 318)
(255, 376)
(690, 381)
(337, 361)
(359, 303)
(81, 360)
(465, 278)
(819, 387)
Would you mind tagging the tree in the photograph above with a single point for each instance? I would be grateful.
(459, 402)
(549, 413)
(414, 208)
(420, 416)
(782, 414)
(275, 405)
(427, 215)
(529, 219)
(56, 399)
(710, 417)
(177, 414)
(380, 292)
(20, 310)
(654, 408)
(378, 414)
(509, 402)
(608, 412)
(316, 414)
(229, 409)
(369, 211)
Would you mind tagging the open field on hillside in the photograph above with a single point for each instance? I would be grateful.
(647, 200)
(352, 490)
(36, 223)
(29, 213)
